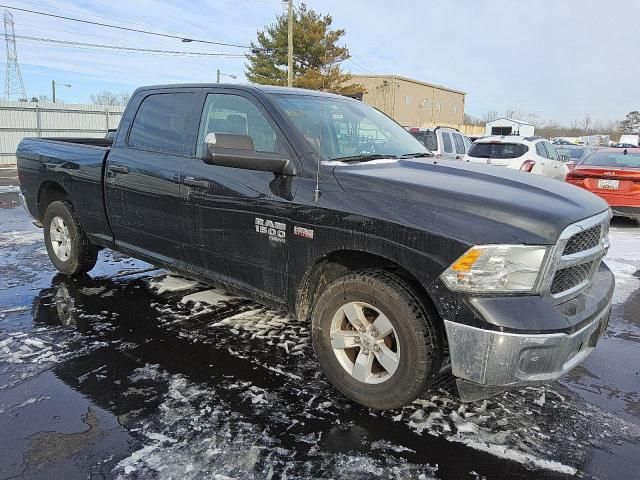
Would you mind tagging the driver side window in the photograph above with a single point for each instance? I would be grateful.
(229, 113)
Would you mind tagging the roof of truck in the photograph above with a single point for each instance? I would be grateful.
(247, 87)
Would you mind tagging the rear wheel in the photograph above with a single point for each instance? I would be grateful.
(68, 247)
(375, 340)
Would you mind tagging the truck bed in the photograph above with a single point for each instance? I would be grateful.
(77, 165)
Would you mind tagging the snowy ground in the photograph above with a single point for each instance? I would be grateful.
(135, 373)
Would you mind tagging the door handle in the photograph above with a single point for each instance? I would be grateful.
(195, 182)
(118, 169)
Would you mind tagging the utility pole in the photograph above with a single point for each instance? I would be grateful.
(218, 75)
(290, 45)
(13, 87)
(53, 89)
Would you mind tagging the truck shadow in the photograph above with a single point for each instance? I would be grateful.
(242, 376)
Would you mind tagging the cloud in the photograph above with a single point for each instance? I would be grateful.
(557, 59)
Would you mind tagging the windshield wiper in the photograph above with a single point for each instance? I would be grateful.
(365, 157)
(416, 155)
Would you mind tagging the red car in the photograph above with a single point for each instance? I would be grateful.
(614, 175)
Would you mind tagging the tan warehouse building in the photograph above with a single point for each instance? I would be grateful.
(413, 103)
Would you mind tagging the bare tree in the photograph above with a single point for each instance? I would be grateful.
(490, 116)
(586, 124)
(106, 97)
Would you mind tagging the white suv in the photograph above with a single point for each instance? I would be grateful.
(529, 154)
(443, 142)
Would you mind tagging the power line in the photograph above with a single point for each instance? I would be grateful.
(129, 49)
(147, 32)
(360, 66)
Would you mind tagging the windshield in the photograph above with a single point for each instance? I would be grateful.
(613, 159)
(428, 138)
(343, 129)
(497, 150)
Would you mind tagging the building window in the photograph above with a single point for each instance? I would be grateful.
(408, 100)
(437, 106)
(454, 108)
(426, 103)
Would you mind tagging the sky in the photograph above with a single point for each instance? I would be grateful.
(557, 59)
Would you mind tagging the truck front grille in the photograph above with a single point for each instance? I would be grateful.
(576, 258)
(570, 277)
(584, 240)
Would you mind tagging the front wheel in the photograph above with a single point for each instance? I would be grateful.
(375, 340)
(68, 247)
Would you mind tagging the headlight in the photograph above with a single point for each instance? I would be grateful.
(496, 268)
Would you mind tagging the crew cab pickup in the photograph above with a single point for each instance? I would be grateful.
(404, 264)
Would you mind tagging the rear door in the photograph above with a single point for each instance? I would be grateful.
(240, 217)
(142, 184)
(555, 167)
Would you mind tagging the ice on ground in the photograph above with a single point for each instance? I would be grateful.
(624, 260)
(172, 283)
(19, 238)
(209, 297)
(9, 188)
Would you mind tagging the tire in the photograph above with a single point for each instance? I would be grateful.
(70, 251)
(413, 348)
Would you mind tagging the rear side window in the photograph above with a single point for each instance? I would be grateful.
(497, 150)
(446, 143)
(457, 139)
(540, 150)
(551, 150)
(164, 123)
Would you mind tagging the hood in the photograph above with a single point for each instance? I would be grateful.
(471, 203)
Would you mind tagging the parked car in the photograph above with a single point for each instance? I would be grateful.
(624, 145)
(315, 202)
(613, 175)
(529, 154)
(561, 141)
(443, 142)
(574, 154)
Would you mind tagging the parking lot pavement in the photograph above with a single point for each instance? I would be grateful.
(136, 373)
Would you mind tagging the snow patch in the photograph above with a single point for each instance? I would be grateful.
(171, 283)
(209, 297)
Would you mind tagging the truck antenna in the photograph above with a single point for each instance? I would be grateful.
(316, 192)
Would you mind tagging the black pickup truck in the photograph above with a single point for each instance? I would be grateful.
(404, 264)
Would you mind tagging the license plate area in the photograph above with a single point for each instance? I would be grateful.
(608, 184)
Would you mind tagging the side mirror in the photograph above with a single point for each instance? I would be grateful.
(237, 151)
(571, 165)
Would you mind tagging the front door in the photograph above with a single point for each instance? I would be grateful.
(241, 217)
(142, 186)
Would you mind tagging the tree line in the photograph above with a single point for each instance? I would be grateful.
(576, 128)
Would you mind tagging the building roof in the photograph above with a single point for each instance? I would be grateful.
(514, 120)
(405, 79)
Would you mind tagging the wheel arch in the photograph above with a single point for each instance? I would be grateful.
(49, 191)
(338, 262)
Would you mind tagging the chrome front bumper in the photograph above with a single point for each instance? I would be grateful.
(487, 362)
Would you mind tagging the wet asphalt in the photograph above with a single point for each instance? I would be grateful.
(130, 372)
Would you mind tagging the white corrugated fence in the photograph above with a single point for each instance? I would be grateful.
(38, 119)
